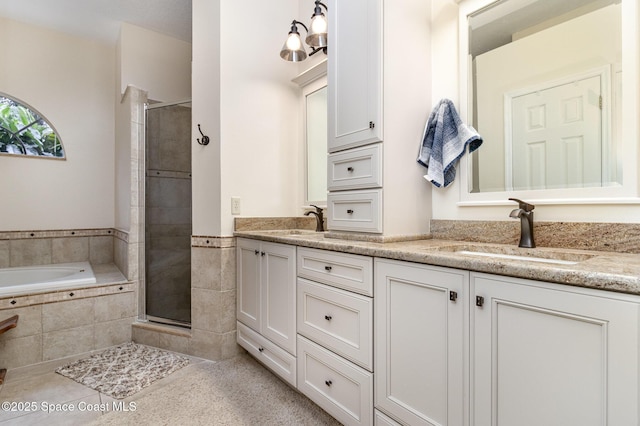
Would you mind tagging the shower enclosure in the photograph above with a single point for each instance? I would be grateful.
(168, 213)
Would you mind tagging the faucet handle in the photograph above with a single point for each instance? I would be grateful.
(318, 209)
(524, 206)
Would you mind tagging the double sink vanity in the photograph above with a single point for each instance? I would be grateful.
(435, 331)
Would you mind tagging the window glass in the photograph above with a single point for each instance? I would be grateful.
(23, 131)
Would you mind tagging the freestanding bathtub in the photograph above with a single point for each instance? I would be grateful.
(42, 278)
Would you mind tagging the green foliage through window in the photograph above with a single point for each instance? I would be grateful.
(23, 131)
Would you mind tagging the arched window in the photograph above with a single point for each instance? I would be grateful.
(23, 131)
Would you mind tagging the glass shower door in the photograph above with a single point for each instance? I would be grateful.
(168, 213)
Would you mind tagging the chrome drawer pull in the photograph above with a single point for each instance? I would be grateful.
(350, 211)
(327, 317)
(327, 268)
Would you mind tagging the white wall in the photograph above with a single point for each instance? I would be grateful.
(446, 84)
(70, 81)
(159, 66)
(150, 60)
(407, 104)
(244, 99)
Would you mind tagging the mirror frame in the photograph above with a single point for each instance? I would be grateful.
(625, 193)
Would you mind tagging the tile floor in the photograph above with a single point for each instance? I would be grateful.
(36, 395)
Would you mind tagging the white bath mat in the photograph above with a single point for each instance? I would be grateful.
(123, 370)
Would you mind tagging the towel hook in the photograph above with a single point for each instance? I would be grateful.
(205, 139)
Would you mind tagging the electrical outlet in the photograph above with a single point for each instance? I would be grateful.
(235, 205)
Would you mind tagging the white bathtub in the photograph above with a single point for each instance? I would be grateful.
(42, 278)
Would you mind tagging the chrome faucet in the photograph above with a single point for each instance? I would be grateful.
(524, 212)
(319, 217)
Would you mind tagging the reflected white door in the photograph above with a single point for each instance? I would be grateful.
(557, 136)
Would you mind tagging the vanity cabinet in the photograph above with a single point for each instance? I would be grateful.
(533, 353)
(335, 333)
(354, 73)
(544, 354)
(266, 303)
(420, 316)
(355, 88)
(378, 100)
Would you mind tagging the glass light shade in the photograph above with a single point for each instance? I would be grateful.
(292, 49)
(317, 36)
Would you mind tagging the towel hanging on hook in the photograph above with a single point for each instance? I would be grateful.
(205, 139)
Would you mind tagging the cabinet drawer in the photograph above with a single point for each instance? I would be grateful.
(343, 270)
(356, 168)
(340, 387)
(359, 211)
(276, 359)
(339, 320)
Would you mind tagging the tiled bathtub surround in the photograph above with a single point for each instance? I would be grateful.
(64, 323)
(26, 248)
(213, 304)
(614, 237)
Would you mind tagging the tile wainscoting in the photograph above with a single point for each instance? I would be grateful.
(58, 324)
(27, 248)
(213, 305)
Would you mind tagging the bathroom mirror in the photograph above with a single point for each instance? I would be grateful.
(313, 89)
(316, 145)
(544, 88)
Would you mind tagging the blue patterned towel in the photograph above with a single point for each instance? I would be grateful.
(445, 140)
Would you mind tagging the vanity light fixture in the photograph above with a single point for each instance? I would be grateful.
(293, 49)
(317, 37)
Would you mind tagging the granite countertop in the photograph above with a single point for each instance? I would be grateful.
(602, 270)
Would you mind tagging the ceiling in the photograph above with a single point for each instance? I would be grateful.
(101, 19)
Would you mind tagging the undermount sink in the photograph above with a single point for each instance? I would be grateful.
(541, 255)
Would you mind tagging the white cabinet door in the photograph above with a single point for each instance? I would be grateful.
(266, 286)
(354, 73)
(278, 285)
(419, 341)
(552, 355)
(248, 282)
